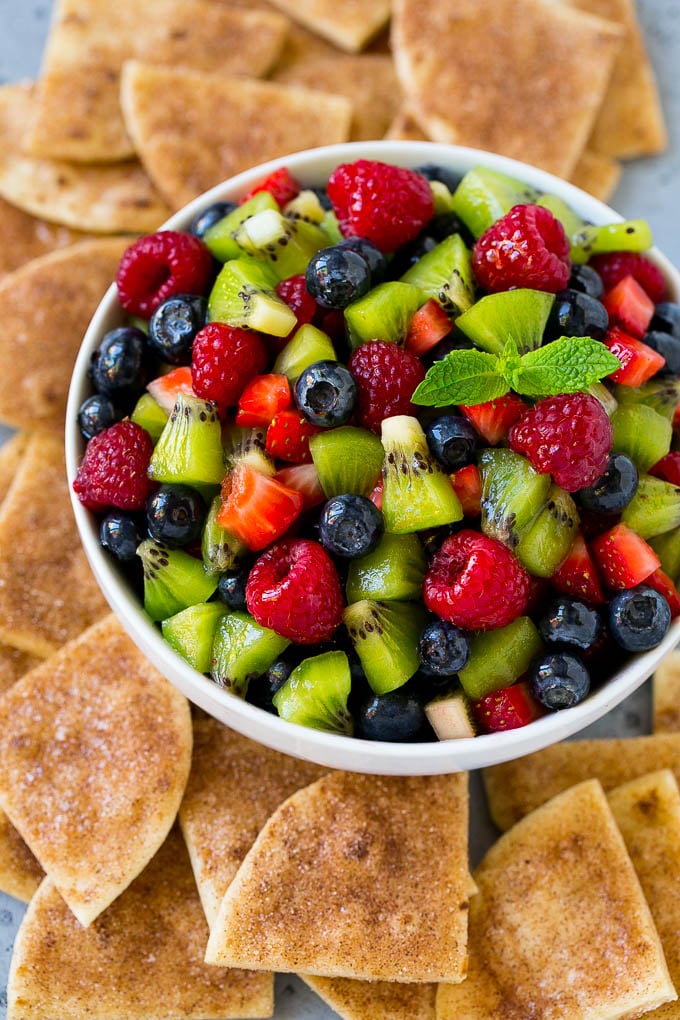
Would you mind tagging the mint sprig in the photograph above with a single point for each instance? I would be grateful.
(474, 377)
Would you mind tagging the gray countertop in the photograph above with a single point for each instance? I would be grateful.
(649, 189)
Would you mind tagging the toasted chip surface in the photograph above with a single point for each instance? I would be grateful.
(666, 695)
(77, 110)
(141, 958)
(26, 237)
(596, 174)
(48, 305)
(20, 873)
(96, 198)
(405, 128)
(442, 52)
(185, 156)
(348, 855)
(375, 1000)
(95, 749)
(350, 24)
(11, 456)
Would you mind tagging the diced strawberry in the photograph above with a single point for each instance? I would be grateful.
(288, 437)
(577, 574)
(467, 484)
(262, 399)
(429, 325)
(256, 508)
(280, 184)
(639, 362)
(506, 709)
(629, 306)
(377, 495)
(165, 388)
(623, 557)
(494, 419)
(662, 583)
(668, 468)
(305, 480)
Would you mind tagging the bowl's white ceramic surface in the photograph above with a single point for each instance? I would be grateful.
(313, 168)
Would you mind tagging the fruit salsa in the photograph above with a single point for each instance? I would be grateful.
(394, 457)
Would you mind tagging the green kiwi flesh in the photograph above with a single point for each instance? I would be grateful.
(393, 570)
(499, 657)
(548, 538)
(383, 314)
(316, 692)
(305, 206)
(571, 221)
(662, 395)
(512, 494)
(189, 449)
(148, 413)
(241, 443)
(630, 235)
(385, 636)
(191, 632)
(307, 345)
(654, 509)
(173, 580)
(243, 650)
(445, 273)
(483, 196)
(220, 550)
(219, 237)
(642, 434)
(347, 459)
(519, 315)
(286, 244)
(667, 548)
(244, 295)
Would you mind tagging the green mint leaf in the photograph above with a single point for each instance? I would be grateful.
(462, 377)
(569, 364)
(509, 363)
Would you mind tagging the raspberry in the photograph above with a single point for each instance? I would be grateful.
(525, 248)
(159, 265)
(389, 205)
(386, 376)
(280, 184)
(613, 266)
(294, 292)
(568, 436)
(475, 582)
(293, 589)
(224, 360)
(113, 472)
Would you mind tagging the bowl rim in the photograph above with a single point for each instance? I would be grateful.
(334, 750)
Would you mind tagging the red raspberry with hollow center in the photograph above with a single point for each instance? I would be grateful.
(389, 205)
(224, 359)
(386, 377)
(568, 436)
(113, 472)
(294, 589)
(159, 265)
(613, 266)
(476, 582)
(525, 248)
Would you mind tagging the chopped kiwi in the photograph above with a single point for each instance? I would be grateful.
(191, 632)
(573, 224)
(547, 539)
(667, 548)
(450, 716)
(307, 345)
(242, 443)
(220, 550)
(243, 650)
(483, 196)
(519, 314)
(306, 206)
(654, 509)
(286, 244)
(445, 273)
(189, 449)
(383, 314)
(499, 657)
(630, 235)
(642, 434)
(662, 395)
(243, 295)
(173, 580)
(332, 228)
(416, 492)
(442, 198)
(347, 459)
(605, 397)
(385, 636)
(512, 494)
(219, 237)
(316, 692)
(150, 415)
(393, 570)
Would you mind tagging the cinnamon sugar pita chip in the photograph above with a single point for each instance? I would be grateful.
(666, 695)
(20, 873)
(350, 24)
(596, 174)
(375, 1000)
(26, 237)
(405, 128)
(11, 456)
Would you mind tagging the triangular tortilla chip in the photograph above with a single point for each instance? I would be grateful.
(100, 199)
(647, 811)
(186, 155)
(47, 307)
(95, 749)
(560, 926)
(20, 873)
(630, 121)
(234, 786)
(517, 787)
(535, 99)
(369, 82)
(350, 24)
(141, 958)
(375, 1000)
(596, 174)
(348, 855)
(666, 695)
(13, 664)
(77, 110)
(406, 128)
(25, 237)
(48, 594)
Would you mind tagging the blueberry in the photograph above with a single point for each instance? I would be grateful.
(575, 313)
(350, 525)
(376, 261)
(613, 490)
(326, 393)
(117, 368)
(173, 326)
(666, 318)
(436, 172)
(324, 200)
(443, 648)
(453, 341)
(175, 514)
(442, 226)
(262, 689)
(668, 347)
(570, 622)
(231, 588)
(452, 441)
(119, 533)
(337, 276)
(397, 716)
(586, 280)
(96, 414)
(639, 618)
(410, 253)
(559, 680)
(208, 217)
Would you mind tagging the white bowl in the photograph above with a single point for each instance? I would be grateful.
(313, 167)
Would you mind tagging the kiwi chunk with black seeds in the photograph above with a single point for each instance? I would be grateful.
(316, 693)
